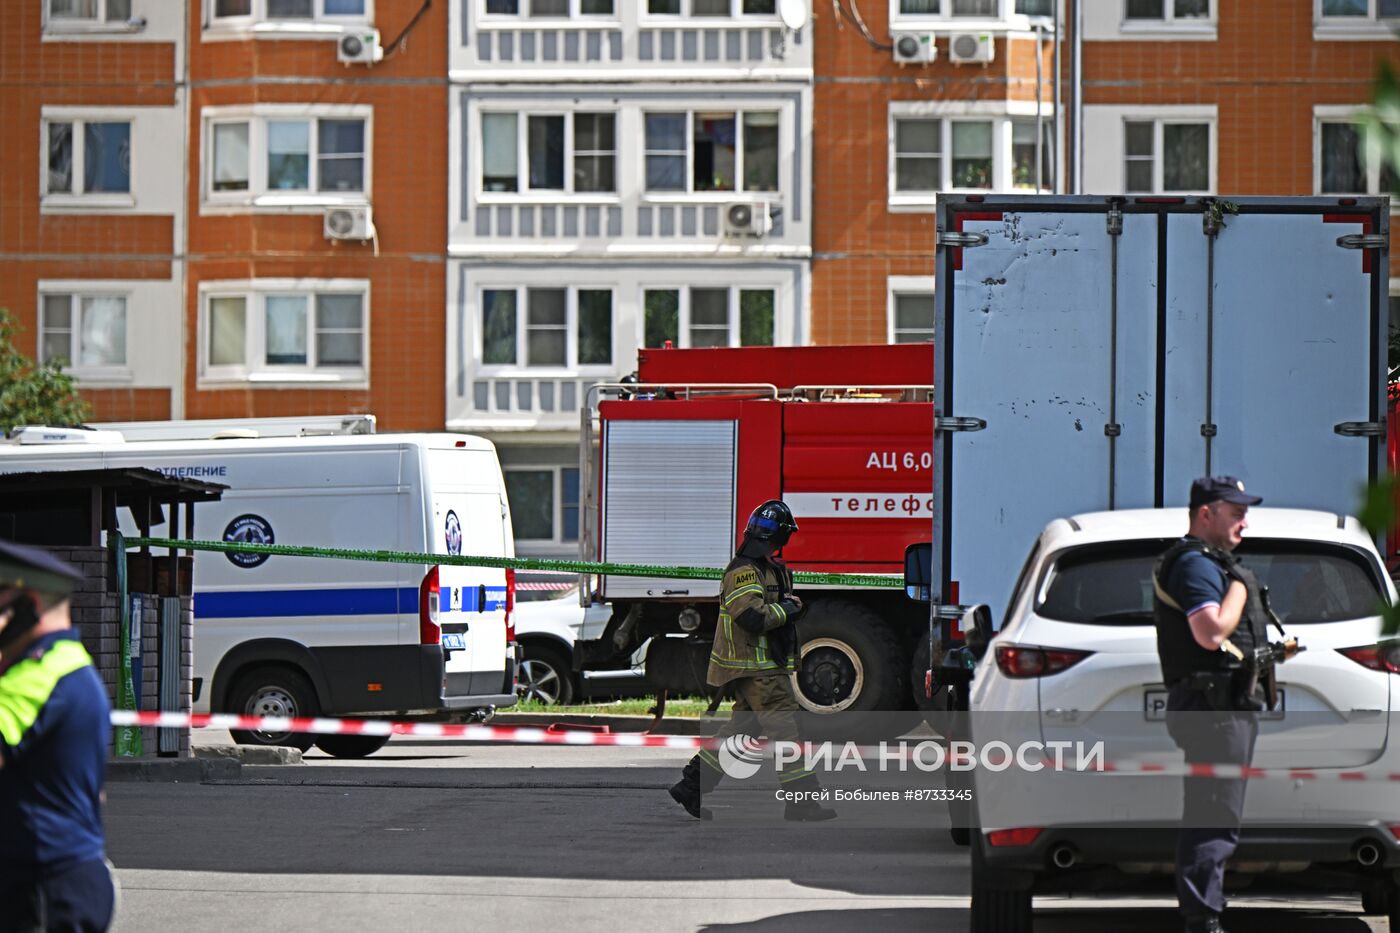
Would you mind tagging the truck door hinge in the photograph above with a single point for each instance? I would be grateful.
(959, 238)
(1360, 428)
(1115, 219)
(959, 424)
(1363, 241)
(1208, 430)
(1112, 430)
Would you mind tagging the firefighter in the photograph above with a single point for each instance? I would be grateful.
(755, 643)
(1210, 618)
(54, 727)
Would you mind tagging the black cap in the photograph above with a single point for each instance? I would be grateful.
(30, 568)
(1210, 489)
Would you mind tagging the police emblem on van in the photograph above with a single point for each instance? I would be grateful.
(453, 534)
(252, 529)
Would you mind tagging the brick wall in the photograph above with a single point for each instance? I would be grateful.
(97, 621)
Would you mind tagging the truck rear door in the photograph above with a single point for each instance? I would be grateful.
(1117, 348)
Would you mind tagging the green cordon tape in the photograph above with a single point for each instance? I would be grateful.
(505, 563)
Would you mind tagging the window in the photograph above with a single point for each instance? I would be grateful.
(712, 151)
(550, 8)
(87, 157)
(286, 331)
(708, 317)
(912, 317)
(285, 156)
(919, 147)
(89, 11)
(1166, 11)
(1355, 10)
(288, 10)
(544, 503)
(1163, 156)
(546, 327)
(84, 331)
(1023, 154)
(712, 7)
(1347, 164)
(584, 143)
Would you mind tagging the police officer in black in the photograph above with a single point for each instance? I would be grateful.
(54, 726)
(1210, 620)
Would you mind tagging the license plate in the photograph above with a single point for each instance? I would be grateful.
(1154, 706)
(454, 641)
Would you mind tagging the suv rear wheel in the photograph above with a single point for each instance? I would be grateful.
(998, 903)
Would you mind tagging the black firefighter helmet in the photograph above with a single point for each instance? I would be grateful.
(771, 521)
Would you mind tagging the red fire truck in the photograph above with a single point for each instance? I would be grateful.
(674, 463)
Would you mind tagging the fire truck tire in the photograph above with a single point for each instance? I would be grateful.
(850, 660)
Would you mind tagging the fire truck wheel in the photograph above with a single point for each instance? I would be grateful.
(851, 660)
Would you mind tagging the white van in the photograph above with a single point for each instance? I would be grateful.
(302, 636)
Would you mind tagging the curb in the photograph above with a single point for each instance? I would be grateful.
(249, 754)
(172, 770)
(688, 725)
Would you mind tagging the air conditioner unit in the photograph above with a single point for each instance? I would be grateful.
(359, 47)
(912, 48)
(348, 223)
(964, 47)
(747, 218)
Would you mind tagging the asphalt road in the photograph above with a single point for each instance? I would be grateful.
(445, 836)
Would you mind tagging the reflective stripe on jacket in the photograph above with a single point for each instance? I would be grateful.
(749, 586)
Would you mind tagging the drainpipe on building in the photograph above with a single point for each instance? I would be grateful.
(1077, 96)
(1039, 120)
(1056, 173)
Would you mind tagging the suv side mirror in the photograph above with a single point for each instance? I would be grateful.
(918, 572)
(976, 627)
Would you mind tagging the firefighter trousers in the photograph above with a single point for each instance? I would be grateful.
(764, 705)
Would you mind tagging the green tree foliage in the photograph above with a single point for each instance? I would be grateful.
(34, 393)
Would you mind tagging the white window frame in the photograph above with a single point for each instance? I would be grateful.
(253, 370)
(259, 197)
(1005, 19)
(94, 24)
(1169, 23)
(897, 285)
(523, 192)
(688, 192)
(1353, 114)
(1001, 114)
(1369, 28)
(556, 523)
(732, 308)
(1158, 120)
(575, 14)
(78, 198)
(258, 21)
(736, 12)
(76, 291)
(522, 323)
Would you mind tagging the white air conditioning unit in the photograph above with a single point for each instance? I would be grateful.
(914, 48)
(965, 47)
(348, 223)
(360, 47)
(747, 218)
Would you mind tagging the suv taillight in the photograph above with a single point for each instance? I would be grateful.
(1021, 661)
(510, 606)
(1377, 657)
(429, 631)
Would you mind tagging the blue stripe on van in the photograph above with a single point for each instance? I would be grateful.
(340, 601)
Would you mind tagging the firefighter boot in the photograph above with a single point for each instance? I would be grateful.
(695, 780)
(806, 810)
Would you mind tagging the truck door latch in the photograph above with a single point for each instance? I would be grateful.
(1363, 241)
(959, 238)
(1360, 428)
(959, 424)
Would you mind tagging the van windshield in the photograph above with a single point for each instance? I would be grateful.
(1309, 582)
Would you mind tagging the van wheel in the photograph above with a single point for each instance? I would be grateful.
(274, 691)
(998, 906)
(351, 746)
(850, 660)
(545, 675)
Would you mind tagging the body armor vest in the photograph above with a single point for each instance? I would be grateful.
(1180, 653)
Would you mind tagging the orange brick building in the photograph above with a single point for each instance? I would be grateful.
(1244, 97)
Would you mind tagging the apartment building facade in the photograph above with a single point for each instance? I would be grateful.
(623, 174)
(1244, 97)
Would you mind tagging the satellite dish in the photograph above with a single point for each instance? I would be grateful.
(793, 13)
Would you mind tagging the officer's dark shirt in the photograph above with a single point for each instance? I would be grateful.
(51, 782)
(1195, 582)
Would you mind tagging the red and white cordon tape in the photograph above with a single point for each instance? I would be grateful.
(519, 735)
(1235, 772)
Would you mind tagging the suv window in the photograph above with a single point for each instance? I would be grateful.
(1309, 582)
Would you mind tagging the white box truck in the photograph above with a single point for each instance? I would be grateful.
(306, 636)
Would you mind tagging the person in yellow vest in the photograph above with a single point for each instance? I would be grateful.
(54, 725)
(755, 644)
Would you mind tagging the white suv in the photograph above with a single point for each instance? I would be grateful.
(1076, 659)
